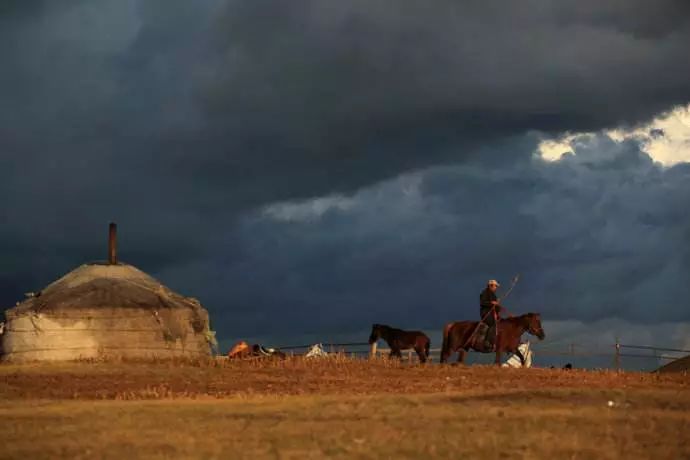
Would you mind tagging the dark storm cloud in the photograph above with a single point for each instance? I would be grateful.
(599, 234)
(175, 117)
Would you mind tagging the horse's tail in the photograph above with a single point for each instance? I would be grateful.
(445, 347)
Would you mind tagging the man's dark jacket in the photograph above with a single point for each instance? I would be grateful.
(485, 299)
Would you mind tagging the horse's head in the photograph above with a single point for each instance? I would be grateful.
(534, 325)
(375, 333)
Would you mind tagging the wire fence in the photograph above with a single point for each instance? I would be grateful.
(612, 356)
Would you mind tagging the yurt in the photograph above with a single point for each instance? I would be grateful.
(105, 309)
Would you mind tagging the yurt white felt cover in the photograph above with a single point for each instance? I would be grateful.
(105, 309)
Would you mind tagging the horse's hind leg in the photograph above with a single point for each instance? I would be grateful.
(461, 356)
(445, 354)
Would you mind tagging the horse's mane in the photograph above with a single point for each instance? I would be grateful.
(519, 319)
(393, 330)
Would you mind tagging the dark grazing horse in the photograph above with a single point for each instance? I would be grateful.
(398, 340)
(461, 336)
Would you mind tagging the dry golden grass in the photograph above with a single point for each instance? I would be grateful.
(542, 424)
(296, 376)
(337, 408)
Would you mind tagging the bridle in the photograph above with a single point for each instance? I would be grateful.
(536, 331)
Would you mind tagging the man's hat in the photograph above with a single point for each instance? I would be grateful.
(493, 282)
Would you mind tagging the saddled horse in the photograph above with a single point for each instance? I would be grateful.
(461, 336)
(398, 340)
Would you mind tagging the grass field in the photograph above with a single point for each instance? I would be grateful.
(338, 409)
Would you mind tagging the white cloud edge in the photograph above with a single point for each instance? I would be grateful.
(668, 150)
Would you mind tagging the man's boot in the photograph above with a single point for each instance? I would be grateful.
(489, 339)
(480, 335)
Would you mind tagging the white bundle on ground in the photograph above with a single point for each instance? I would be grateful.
(514, 360)
(316, 351)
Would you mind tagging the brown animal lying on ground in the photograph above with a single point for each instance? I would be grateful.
(240, 350)
(243, 350)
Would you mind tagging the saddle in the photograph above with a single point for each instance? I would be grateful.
(480, 337)
(261, 350)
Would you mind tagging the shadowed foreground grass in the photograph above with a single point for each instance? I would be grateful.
(337, 409)
(543, 424)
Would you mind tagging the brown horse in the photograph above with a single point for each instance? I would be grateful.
(461, 336)
(398, 340)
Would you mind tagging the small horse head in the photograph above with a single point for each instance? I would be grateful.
(375, 333)
(534, 325)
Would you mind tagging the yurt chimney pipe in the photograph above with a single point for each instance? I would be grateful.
(112, 244)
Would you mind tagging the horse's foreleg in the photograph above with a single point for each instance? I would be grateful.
(421, 354)
(445, 349)
(498, 358)
(522, 358)
(461, 356)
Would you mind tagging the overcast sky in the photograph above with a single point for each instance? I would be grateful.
(306, 168)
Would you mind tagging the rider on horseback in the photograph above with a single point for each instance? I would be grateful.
(489, 309)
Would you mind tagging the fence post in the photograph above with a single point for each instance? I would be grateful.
(618, 355)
